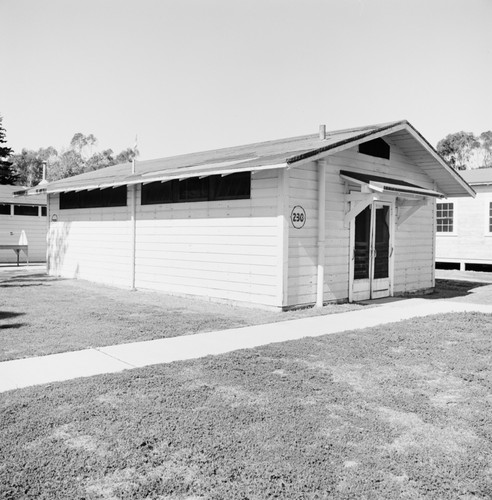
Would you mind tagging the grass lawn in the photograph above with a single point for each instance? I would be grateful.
(43, 315)
(400, 411)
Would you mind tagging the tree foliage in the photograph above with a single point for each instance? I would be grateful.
(78, 158)
(7, 173)
(457, 148)
(464, 150)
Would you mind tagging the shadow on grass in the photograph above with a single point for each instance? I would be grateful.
(444, 289)
(26, 280)
(12, 325)
(448, 289)
(9, 314)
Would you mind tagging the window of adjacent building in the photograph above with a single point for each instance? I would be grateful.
(4, 208)
(490, 217)
(95, 198)
(43, 211)
(32, 210)
(212, 188)
(377, 148)
(445, 217)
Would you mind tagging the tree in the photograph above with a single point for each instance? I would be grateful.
(7, 175)
(457, 148)
(100, 160)
(67, 164)
(28, 164)
(486, 147)
(81, 142)
(76, 159)
(127, 155)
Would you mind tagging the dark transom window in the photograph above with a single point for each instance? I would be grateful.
(212, 188)
(4, 209)
(26, 210)
(377, 148)
(95, 198)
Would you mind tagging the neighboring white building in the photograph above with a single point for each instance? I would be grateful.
(17, 214)
(345, 215)
(464, 225)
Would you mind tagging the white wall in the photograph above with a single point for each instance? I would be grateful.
(414, 251)
(35, 228)
(414, 239)
(91, 243)
(222, 249)
(471, 241)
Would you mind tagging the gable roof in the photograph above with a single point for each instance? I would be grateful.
(477, 176)
(283, 153)
(7, 196)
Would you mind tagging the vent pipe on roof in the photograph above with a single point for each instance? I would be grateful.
(43, 180)
(322, 132)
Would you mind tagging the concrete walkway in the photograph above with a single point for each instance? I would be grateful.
(65, 366)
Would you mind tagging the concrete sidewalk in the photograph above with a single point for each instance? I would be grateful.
(65, 366)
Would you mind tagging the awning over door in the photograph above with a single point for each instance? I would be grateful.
(388, 185)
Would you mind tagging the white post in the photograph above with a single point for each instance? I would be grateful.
(133, 233)
(321, 232)
(283, 236)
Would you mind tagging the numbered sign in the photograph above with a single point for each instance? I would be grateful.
(298, 217)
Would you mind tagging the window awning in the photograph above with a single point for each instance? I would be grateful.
(388, 185)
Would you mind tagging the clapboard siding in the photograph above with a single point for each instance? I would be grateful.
(224, 250)
(414, 251)
(35, 228)
(90, 244)
(414, 239)
(303, 251)
(471, 241)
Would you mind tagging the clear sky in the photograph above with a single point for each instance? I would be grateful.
(191, 75)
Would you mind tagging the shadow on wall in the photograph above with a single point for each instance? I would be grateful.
(57, 246)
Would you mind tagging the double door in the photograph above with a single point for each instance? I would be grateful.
(371, 247)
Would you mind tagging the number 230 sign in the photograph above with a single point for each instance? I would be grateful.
(298, 217)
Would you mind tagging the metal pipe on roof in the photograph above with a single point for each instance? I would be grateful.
(322, 132)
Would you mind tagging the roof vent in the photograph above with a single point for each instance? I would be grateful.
(322, 132)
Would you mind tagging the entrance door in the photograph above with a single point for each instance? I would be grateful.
(371, 252)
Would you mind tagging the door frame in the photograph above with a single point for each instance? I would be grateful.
(392, 227)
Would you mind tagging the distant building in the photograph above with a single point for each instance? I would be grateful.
(20, 213)
(335, 216)
(464, 226)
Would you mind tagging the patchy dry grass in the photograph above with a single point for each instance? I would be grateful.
(400, 411)
(42, 315)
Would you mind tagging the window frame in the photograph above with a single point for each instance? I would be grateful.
(211, 182)
(78, 196)
(488, 218)
(6, 205)
(453, 219)
(35, 208)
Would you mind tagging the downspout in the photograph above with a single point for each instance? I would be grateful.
(133, 222)
(321, 232)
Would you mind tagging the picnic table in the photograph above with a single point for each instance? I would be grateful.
(17, 249)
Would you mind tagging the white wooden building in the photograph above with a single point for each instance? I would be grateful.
(344, 215)
(22, 214)
(464, 225)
